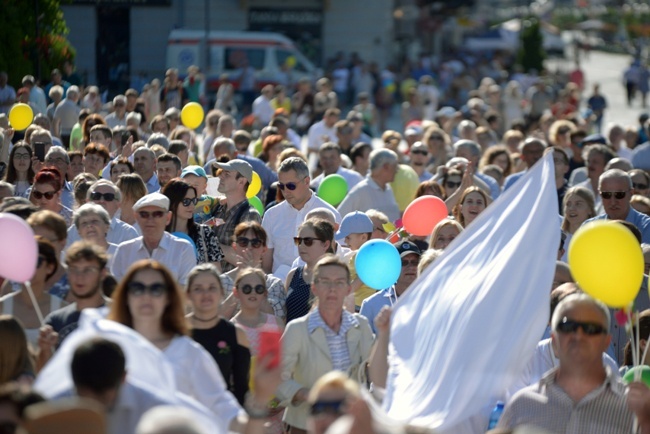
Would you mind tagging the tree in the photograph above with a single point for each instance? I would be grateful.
(33, 33)
(531, 53)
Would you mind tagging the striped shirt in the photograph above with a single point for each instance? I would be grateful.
(337, 342)
(546, 405)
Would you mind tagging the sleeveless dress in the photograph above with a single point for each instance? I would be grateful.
(298, 296)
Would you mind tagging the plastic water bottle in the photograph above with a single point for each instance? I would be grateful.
(495, 415)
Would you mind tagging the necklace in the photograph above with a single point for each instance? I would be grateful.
(205, 320)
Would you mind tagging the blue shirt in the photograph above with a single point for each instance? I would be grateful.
(372, 305)
(510, 180)
(495, 190)
(641, 157)
(152, 185)
(641, 221)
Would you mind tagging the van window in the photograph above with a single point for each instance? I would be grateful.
(281, 57)
(235, 56)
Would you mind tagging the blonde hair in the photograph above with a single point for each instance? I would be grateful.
(441, 224)
(334, 380)
(427, 259)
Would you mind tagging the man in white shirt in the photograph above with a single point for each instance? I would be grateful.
(108, 196)
(330, 160)
(281, 222)
(374, 191)
(118, 117)
(153, 215)
(262, 106)
(323, 130)
(66, 115)
(36, 94)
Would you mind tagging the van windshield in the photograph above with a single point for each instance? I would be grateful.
(283, 56)
(235, 58)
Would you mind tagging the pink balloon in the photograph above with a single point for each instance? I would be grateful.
(423, 214)
(18, 249)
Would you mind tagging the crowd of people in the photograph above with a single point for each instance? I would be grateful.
(152, 226)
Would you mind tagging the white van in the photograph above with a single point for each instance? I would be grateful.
(266, 52)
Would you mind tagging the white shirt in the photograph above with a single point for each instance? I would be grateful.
(174, 253)
(37, 96)
(368, 195)
(262, 109)
(118, 232)
(281, 223)
(320, 133)
(113, 121)
(67, 113)
(352, 178)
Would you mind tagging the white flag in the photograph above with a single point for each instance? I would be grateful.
(467, 327)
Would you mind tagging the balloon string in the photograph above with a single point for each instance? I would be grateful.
(28, 285)
(632, 340)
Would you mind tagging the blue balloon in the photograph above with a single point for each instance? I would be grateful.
(378, 264)
(187, 238)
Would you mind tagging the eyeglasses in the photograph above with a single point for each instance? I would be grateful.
(40, 261)
(412, 263)
(337, 284)
(138, 289)
(22, 156)
(108, 197)
(308, 241)
(40, 195)
(247, 289)
(193, 201)
(94, 222)
(82, 271)
(639, 186)
(617, 194)
(326, 407)
(588, 328)
(243, 242)
(450, 184)
(419, 152)
(154, 214)
(290, 185)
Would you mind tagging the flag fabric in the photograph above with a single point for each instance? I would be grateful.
(464, 331)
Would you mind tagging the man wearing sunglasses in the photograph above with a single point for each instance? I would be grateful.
(419, 154)
(108, 196)
(615, 189)
(153, 215)
(580, 394)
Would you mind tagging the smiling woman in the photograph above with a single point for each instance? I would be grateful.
(472, 202)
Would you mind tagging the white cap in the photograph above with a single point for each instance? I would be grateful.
(154, 199)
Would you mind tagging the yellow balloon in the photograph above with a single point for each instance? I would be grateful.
(291, 61)
(607, 262)
(255, 186)
(405, 185)
(20, 116)
(192, 115)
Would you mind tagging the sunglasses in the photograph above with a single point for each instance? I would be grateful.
(243, 242)
(147, 215)
(108, 197)
(138, 289)
(450, 184)
(247, 289)
(40, 195)
(588, 328)
(616, 194)
(413, 263)
(419, 152)
(193, 201)
(290, 185)
(326, 408)
(639, 186)
(308, 241)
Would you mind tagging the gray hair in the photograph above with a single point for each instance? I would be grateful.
(9, 186)
(296, 164)
(471, 145)
(142, 149)
(379, 157)
(88, 209)
(169, 419)
(581, 298)
(467, 124)
(55, 90)
(119, 98)
(104, 182)
(158, 139)
(58, 151)
(619, 163)
(227, 143)
(73, 91)
(615, 174)
(321, 213)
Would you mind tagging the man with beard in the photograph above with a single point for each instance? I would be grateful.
(86, 264)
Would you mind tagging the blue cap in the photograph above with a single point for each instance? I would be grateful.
(354, 223)
(194, 170)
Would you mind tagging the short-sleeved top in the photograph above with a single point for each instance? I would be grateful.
(64, 321)
(207, 245)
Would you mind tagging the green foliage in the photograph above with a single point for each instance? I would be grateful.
(531, 53)
(22, 46)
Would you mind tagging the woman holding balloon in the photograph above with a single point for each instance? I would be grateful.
(578, 206)
(20, 172)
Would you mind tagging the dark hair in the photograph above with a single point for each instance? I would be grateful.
(89, 123)
(98, 149)
(72, 154)
(358, 150)
(11, 174)
(170, 156)
(98, 365)
(15, 358)
(323, 229)
(644, 332)
(173, 318)
(632, 227)
(47, 250)
(20, 396)
(177, 146)
(122, 160)
(433, 185)
(175, 190)
(105, 129)
(257, 229)
(87, 251)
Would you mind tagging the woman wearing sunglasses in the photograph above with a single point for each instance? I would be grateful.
(227, 344)
(578, 205)
(20, 172)
(250, 245)
(314, 240)
(250, 290)
(19, 303)
(182, 201)
(149, 301)
(46, 193)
